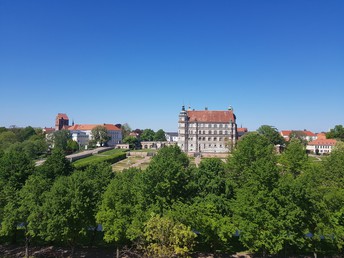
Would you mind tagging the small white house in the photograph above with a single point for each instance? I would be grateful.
(83, 133)
(321, 146)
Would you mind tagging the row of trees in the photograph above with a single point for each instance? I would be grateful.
(255, 200)
(139, 136)
(28, 140)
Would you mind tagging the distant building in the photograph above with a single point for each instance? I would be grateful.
(82, 133)
(207, 131)
(305, 134)
(241, 131)
(171, 137)
(321, 146)
(61, 122)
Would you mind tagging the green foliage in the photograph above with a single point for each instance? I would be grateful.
(133, 142)
(100, 135)
(60, 139)
(126, 129)
(294, 158)
(336, 133)
(160, 136)
(15, 168)
(166, 238)
(6, 139)
(272, 134)
(72, 146)
(56, 165)
(166, 178)
(253, 159)
(69, 209)
(111, 159)
(121, 213)
(147, 135)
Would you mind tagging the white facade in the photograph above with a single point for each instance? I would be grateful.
(207, 131)
(171, 137)
(323, 146)
(83, 134)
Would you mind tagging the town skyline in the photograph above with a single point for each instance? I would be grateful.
(279, 64)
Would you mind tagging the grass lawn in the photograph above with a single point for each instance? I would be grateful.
(131, 161)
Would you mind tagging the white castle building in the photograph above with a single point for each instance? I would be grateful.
(207, 131)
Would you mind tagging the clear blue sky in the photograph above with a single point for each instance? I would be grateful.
(279, 63)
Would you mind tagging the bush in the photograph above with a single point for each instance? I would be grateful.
(84, 163)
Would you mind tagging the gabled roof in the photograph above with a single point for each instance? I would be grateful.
(88, 127)
(326, 142)
(211, 116)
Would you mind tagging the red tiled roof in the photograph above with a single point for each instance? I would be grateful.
(87, 127)
(62, 115)
(321, 136)
(285, 132)
(48, 130)
(242, 129)
(288, 132)
(211, 116)
(323, 142)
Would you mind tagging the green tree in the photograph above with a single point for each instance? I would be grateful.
(24, 209)
(126, 129)
(133, 142)
(56, 165)
(15, 168)
(272, 134)
(336, 133)
(167, 238)
(100, 135)
(68, 210)
(294, 158)
(7, 138)
(60, 139)
(160, 136)
(253, 166)
(26, 133)
(253, 151)
(72, 146)
(167, 177)
(147, 135)
(121, 212)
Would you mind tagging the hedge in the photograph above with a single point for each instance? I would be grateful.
(83, 163)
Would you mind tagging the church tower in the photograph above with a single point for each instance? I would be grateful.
(183, 130)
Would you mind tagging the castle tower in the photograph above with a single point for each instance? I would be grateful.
(183, 130)
(61, 121)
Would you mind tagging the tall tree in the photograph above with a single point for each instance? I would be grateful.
(336, 133)
(160, 135)
(294, 158)
(69, 210)
(56, 165)
(166, 178)
(147, 135)
(253, 167)
(100, 135)
(126, 129)
(121, 212)
(60, 139)
(271, 133)
(133, 142)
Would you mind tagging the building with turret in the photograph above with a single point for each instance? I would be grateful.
(61, 122)
(205, 131)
